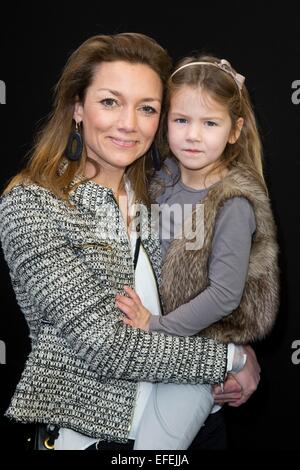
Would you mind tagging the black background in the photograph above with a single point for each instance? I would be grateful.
(262, 42)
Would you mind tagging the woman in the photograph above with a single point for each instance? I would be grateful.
(69, 252)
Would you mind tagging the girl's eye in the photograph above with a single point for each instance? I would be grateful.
(109, 102)
(148, 110)
(181, 121)
(211, 123)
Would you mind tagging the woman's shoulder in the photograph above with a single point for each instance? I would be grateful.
(24, 194)
(26, 188)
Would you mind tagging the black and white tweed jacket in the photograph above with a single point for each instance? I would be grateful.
(66, 266)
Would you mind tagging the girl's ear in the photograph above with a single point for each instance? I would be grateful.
(236, 132)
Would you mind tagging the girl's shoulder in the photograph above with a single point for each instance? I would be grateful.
(244, 181)
(237, 211)
(169, 171)
(164, 180)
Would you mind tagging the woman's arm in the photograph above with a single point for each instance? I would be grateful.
(73, 299)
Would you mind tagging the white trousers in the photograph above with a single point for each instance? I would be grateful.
(173, 416)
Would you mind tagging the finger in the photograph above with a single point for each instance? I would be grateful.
(227, 389)
(227, 400)
(132, 294)
(227, 396)
(127, 310)
(231, 384)
(237, 403)
(126, 321)
(125, 300)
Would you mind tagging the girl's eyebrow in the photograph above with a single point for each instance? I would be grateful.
(203, 118)
(214, 118)
(177, 113)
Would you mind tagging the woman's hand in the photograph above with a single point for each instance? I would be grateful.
(230, 392)
(242, 383)
(135, 313)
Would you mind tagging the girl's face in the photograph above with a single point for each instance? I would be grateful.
(120, 113)
(199, 128)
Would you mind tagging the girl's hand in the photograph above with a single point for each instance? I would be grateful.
(135, 313)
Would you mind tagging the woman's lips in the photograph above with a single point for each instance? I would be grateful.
(123, 143)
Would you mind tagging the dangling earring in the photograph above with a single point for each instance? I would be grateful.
(74, 154)
(155, 157)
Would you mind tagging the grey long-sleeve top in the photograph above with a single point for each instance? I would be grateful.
(228, 264)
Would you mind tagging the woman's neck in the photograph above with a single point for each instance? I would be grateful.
(105, 175)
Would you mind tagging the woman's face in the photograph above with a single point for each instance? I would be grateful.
(120, 113)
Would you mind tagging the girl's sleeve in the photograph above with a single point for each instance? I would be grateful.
(228, 267)
(73, 299)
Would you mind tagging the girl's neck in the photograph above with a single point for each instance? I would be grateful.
(201, 179)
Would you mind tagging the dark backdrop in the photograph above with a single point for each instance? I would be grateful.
(262, 42)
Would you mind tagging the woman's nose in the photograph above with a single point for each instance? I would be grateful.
(127, 120)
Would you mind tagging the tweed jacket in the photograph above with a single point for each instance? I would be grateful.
(66, 265)
(185, 272)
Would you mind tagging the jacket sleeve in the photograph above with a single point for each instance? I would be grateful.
(72, 298)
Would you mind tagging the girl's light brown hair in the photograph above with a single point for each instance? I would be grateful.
(221, 86)
(48, 152)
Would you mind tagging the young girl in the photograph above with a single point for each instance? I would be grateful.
(226, 287)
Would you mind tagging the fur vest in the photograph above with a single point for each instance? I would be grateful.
(185, 272)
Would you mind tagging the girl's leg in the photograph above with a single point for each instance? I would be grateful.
(173, 416)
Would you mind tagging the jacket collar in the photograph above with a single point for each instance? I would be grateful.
(90, 195)
(86, 193)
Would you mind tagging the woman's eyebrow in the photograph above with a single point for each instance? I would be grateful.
(118, 94)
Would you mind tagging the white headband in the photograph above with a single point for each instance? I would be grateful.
(223, 65)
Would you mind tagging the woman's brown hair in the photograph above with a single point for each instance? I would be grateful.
(47, 155)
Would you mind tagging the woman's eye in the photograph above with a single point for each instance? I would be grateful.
(211, 123)
(148, 110)
(109, 102)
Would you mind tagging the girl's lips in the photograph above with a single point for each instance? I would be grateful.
(123, 143)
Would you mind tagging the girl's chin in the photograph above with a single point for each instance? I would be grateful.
(191, 165)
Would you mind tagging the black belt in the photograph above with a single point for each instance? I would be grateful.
(111, 445)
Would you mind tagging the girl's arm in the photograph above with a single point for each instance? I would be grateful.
(227, 271)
